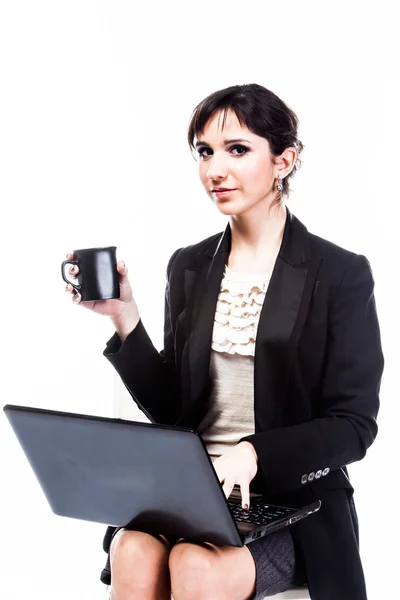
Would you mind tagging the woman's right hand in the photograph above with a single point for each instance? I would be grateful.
(123, 311)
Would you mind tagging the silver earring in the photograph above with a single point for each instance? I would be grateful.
(280, 185)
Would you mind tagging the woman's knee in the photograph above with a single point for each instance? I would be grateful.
(134, 554)
(191, 571)
(204, 573)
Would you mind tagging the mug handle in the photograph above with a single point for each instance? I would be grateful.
(76, 286)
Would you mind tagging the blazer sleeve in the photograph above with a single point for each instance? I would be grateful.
(149, 375)
(345, 424)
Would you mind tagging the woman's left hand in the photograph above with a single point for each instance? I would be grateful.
(237, 466)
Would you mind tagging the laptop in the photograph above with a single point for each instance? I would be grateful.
(143, 476)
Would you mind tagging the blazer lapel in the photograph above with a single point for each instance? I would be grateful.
(281, 319)
(282, 316)
(199, 327)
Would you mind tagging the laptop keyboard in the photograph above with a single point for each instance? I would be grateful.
(259, 514)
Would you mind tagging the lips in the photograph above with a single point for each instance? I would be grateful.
(222, 189)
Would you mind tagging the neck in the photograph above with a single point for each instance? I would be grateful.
(253, 234)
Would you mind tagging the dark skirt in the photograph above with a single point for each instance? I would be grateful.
(277, 567)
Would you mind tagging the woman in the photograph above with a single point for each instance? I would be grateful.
(272, 351)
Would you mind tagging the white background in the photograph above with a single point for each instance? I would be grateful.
(95, 100)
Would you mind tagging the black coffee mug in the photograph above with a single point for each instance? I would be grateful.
(98, 277)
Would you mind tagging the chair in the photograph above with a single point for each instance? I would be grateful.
(298, 593)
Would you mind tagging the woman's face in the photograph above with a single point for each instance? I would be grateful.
(237, 160)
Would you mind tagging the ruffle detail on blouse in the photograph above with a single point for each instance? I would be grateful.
(238, 311)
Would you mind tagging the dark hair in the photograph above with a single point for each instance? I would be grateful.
(261, 111)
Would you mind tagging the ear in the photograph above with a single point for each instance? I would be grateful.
(285, 162)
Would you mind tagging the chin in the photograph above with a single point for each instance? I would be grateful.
(229, 208)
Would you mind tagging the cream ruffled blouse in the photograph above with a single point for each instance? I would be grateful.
(238, 311)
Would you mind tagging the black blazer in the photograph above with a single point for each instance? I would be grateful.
(318, 366)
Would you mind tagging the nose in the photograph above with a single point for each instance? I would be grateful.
(217, 168)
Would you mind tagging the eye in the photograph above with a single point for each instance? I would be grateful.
(201, 151)
(240, 150)
(243, 149)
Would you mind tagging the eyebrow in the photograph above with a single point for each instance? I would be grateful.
(226, 142)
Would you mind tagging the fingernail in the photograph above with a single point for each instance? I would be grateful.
(246, 507)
